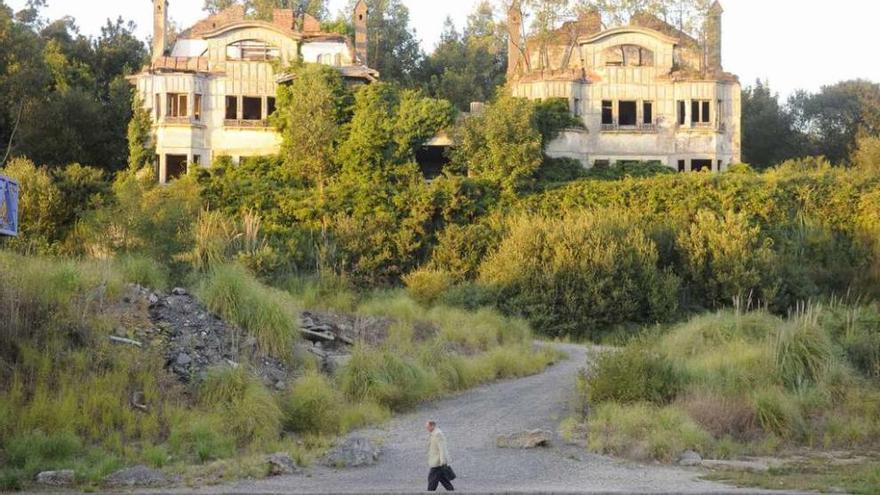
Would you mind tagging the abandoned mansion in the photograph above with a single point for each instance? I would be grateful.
(644, 92)
(211, 93)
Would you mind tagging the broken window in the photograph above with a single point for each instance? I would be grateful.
(701, 112)
(197, 107)
(648, 112)
(177, 105)
(231, 108)
(270, 106)
(681, 165)
(251, 108)
(607, 112)
(602, 163)
(700, 165)
(252, 50)
(682, 112)
(627, 113)
(175, 166)
(628, 56)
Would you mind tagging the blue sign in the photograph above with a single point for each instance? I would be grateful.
(8, 206)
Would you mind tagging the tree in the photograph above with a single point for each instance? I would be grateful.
(867, 153)
(769, 136)
(833, 118)
(501, 144)
(141, 152)
(393, 48)
(262, 9)
(470, 66)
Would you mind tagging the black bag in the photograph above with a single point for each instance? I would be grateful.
(448, 473)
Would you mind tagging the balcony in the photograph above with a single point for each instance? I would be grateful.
(246, 124)
(182, 121)
(639, 128)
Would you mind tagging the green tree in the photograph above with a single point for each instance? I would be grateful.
(867, 153)
(833, 118)
(501, 144)
(262, 9)
(467, 67)
(141, 151)
(769, 136)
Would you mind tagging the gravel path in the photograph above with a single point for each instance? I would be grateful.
(472, 421)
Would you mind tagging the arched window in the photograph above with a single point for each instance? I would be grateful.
(254, 50)
(628, 56)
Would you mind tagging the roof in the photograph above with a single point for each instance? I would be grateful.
(357, 71)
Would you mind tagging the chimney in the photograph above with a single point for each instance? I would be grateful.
(514, 40)
(160, 28)
(284, 18)
(361, 15)
(713, 37)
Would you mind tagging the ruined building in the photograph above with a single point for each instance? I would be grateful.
(645, 92)
(211, 93)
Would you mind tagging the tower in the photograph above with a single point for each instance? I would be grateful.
(713, 37)
(361, 15)
(514, 39)
(160, 28)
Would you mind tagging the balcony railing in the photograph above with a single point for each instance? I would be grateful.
(181, 120)
(255, 124)
(644, 128)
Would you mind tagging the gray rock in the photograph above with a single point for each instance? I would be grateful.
(178, 291)
(748, 466)
(136, 476)
(280, 464)
(64, 477)
(524, 440)
(690, 458)
(183, 359)
(153, 299)
(353, 452)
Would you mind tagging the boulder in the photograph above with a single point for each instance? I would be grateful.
(136, 476)
(64, 477)
(690, 458)
(353, 452)
(280, 464)
(525, 440)
(179, 291)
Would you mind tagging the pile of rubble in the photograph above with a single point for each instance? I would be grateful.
(330, 336)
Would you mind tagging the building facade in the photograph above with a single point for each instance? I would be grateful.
(211, 93)
(645, 92)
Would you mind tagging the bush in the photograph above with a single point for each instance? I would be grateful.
(803, 350)
(634, 374)
(202, 437)
(555, 170)
(725, 257)
(426, 286)
(723, 416)
(460, 249)
(143, 271)
(40, 206)
(249, 410)
(779, 414)
(645, 432)
(386, 378)
(313, 405)
(579, 275)
(267, 314)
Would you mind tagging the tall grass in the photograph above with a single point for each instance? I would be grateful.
(249, 410)
(269, 315)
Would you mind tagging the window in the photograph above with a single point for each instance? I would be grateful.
(699, 165)
(251, 108)
(231, 108)
(602, 163)
(720, 165)
(701, 112)
(719, 111)
(628, 56)
(337, 60)
(627, 113)
(648, 112)
(252, 50)
(197, 107)
(175, 166)
(177, 105)
(197, 159)
(607, 112)
(157, 106)
(682, 112)
(270, 105)
(577, 107)
(681, 165)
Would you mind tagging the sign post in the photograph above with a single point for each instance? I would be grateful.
(8, 207)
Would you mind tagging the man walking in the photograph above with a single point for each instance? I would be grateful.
(438, 459)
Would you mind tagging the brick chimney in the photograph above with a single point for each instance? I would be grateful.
(284, 18)
(713, 37)
(361, 14)
(160, 28)
(514, 39)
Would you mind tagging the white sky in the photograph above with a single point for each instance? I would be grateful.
(792, 43)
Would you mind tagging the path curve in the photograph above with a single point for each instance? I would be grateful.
(472, 421)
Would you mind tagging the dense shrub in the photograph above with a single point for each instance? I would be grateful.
(461, 249)
(40, 206)
(803, 350)
(387, 378)
(250, 412)
(426, 285)
(635, 374)
(580, 274)
(314, 405)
